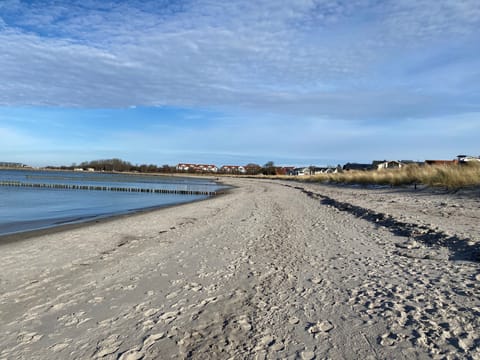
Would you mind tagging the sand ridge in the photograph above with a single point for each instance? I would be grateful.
(267, 272)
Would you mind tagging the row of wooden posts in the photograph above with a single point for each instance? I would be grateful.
(108, 188)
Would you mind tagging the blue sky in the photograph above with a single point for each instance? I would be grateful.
(230, 82)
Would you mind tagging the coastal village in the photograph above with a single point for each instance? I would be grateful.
(251, 169)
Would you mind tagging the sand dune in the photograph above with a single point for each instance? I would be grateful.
(273, 270)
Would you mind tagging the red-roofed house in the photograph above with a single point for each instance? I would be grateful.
(196, 168)
(233, 169)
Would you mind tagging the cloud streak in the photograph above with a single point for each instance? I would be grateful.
(338, 59)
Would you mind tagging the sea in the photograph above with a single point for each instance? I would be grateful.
(24, 208)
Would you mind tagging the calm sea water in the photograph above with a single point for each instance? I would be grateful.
(24, 209)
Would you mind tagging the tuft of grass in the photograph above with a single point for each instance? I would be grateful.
(449, 176)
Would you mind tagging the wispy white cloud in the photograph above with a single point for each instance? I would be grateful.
(341, 59)
(426, 20)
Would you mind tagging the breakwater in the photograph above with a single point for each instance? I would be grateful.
(109, 188)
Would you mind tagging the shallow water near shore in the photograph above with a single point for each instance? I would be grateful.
(24, 209)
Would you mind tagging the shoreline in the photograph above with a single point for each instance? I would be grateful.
(98, 219)
(269, 271)
(49, 226)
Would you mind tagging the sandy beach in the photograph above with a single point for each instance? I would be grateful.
(272, 270)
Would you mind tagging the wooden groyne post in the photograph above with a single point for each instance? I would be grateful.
(108, 188)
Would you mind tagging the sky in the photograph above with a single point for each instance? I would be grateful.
(297, 82)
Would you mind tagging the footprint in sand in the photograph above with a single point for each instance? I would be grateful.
(321, 327)
(28, 337)
(278, 346)
(168, 317)
(96, 300)
(59, 347)
(152, 339)
(172, 295)
(73, 319)
(293, 321)
(267, 341)
(244, 323)
(308, 355)
(108, 346)
(150, 312)
(388, 339)
(132, 355)
(148, 325)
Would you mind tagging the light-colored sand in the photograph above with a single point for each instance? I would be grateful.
(272, 270)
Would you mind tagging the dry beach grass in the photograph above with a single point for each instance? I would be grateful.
(273, 270)
(448, 176)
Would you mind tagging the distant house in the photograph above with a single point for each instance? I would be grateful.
(411, 162)
(466, 158)
(196, 168)
(387, 164)
(185, 167)
(207, 168)
(233, 169)
(286, 170)
(302, 171)
(325, 170)
(461, 159)
(290, 171)
(441, 162)
(12, 165)
(357, 166)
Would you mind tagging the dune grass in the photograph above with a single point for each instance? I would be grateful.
(448, 176)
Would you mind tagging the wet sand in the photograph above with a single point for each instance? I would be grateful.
(271, 270)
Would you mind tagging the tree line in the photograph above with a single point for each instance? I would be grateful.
(125, 166)
(118, 165)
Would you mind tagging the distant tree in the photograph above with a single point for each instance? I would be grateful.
(269, 168)
(108, 165)
(152, 168)
(116, 164)
(253, 169)
(167, 169)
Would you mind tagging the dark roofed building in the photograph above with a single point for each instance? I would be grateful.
(12, 165)
(441, 162)
(357, 166)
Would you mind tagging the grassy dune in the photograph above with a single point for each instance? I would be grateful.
(450, 176)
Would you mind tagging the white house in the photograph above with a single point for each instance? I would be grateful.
(302, 171)
(387, 164)
(467, 158)
(196, 167)
(325, 170)
(233, 169)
